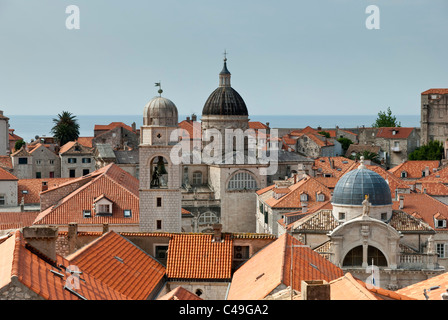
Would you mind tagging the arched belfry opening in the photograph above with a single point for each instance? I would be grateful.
(159, 173)
(354, 258)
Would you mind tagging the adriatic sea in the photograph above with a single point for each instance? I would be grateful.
(28, 127)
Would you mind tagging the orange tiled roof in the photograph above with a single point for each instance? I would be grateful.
(400, 132)
(119, 186)
(436, 91)
(85, 141)
(110, 126)
(6, 176)
(348, 287)
(256, 279)
(422, 205)
(35, 274)
(257, 125)
(433, 188)
(17, 220)
(414, 168)
(33, 188)
(179, 293)
(193, 128)
(336, 166)
(196, 256)
(121, 265)
(307, 185)
(6, 162)
(416, 290)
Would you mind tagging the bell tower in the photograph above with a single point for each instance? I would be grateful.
(160, 179)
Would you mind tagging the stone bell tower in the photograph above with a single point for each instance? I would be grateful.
(160, 193)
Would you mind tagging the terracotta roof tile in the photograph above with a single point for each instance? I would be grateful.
(334, 166)
(16, 220)
(388, 132)
(414, 168)
(6, 176)
(35, 273)
(118, 185)
(196, 256)
(6, 162)
(256, 279)
(257, 125)
(33, 188)
(416, 290)
(436, 91)
(179, 293)
(110, 126)
(121, 265)
(85, 141)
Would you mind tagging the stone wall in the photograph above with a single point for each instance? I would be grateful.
(17, 291)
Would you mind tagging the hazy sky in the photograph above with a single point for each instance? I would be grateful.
(286, 57)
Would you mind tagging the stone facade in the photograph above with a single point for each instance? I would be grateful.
(205, 290)
(434, 113)
(46, 164)
(17, 291)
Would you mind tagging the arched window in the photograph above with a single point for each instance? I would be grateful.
(197, 178)
(208, 218)
(159, 173)
(354, 257)
(242, 181)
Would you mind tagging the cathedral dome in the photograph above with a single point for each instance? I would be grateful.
(225, 101)
(353, 186)
(160, 111)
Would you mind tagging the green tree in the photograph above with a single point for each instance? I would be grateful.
(324, 133)
(345, 142)
(386, 119)
(433, 150)
(19, 144)
(368, 155)
(66, 128)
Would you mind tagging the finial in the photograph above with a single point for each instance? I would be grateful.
(225, 55)
(159, 84)
(361, 160)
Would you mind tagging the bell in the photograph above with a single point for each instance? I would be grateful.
(161, 167)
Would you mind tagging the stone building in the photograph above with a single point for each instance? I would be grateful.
(76, 160)
(46, 163)
(433, 120)
(363, 229)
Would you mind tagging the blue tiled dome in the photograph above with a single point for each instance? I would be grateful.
(353, 186)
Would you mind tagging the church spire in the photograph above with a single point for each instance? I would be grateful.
(224, 75)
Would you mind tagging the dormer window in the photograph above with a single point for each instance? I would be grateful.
(439, 221)
(320, 197)
(103, 206)
(404, 174)
(303, 197)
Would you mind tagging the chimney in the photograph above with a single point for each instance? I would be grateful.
(44, 185)
(105, 228)
(304, 207)
(134, 127)
(426, 171)
(42, 238)
(315, 290)
(194, 117)
(72, 236)
(401, 202)
(217, 229)
(188, 119)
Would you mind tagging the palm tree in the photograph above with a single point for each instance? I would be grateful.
(66, 128)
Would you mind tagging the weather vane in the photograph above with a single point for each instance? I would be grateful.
(225, 55)
(159, 84)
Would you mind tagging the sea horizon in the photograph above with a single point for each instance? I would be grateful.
(30, 126)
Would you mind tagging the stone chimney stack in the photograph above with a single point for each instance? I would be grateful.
(72, 237)
(315, 290)
(42, 238)
(44, 186)
(401, 203)
(105, 228)
(194, 117)
(426, 171)
(217, 235)
(134, 127)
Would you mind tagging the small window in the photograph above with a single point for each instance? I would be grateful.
(320, 197)
(159, 224)
(85, 172)
(86, 160)
(71, 160)
(159, 202)
(87, 213)
(38, 175)
(384, 216)
(303, 197)
(51, 161)
(197, 178)
(23, 160)
(127, 213)
(161, 252)
(38, 162)
(72, 173)
(440, 248)
(341, 215)
(104, 208)
(440, 223)
(404, 174)
(2, 200)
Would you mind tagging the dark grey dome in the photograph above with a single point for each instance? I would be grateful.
(353, 186)
(225, 101)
